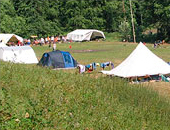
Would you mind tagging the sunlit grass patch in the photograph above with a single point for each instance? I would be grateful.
(42, 98)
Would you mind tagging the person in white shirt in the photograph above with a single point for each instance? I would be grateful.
(42, 41)
(81, 68)
(52, 39)
(54, 46)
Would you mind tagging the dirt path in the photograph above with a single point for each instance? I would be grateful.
(84, 51)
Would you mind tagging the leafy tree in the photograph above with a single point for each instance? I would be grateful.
(111, 16)
(125, 30)
(53, 17)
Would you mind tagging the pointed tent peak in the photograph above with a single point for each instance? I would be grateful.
(140, 62)
(141, 45)
(141, 51)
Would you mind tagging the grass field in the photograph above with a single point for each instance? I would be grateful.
(104, 51)
(32, 97)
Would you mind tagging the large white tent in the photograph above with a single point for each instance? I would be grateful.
(19, 54)
(85, 35)
(140, 62)
(2, 44)
(10, 37)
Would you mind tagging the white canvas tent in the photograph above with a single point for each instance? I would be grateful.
(10, 37)
(140, 62)
(85, 35)
(2, 44)
(19, 54)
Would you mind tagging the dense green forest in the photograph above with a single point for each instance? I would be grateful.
(56, 17)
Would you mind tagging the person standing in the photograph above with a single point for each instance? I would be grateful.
(41, 41)
(56, 39)
(49, 41)
(46, 40)
(52, 39)
(54, 46)
(29, 42)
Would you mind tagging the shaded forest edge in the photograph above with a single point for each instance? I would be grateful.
(58, 17)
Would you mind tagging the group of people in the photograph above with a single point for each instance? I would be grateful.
(93, 66)
(158, 43)
(149, 78)
(20, 43)
(49, 40)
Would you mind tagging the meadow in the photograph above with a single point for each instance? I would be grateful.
(33, 97)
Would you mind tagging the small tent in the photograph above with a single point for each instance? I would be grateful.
(58, 59)
(85, 35)
(10, 38)
(18, 54)
(140, 62)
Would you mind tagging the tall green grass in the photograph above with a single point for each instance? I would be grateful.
(59, 100)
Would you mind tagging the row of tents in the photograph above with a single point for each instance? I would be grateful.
(26, 55)
(77, 35)
(140, 62)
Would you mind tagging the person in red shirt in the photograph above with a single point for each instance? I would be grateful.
(55, 39)
(19, 43)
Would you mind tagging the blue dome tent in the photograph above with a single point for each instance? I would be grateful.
(58, 59)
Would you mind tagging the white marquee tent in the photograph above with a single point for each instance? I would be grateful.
(10, 37)
(140, 62)
(85, 35)
(2, 44)
(19, 54)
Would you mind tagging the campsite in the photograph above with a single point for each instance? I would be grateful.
(41, 97)
(84, 65)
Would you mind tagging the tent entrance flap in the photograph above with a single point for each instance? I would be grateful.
(96, 35)
(46, 59)
(68, 61)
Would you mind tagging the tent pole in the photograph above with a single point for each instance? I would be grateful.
(133, 26)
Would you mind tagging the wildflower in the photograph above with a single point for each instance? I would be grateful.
(27, 115)
(71, 114)
(17, 120)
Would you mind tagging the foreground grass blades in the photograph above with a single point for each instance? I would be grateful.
(41, 98)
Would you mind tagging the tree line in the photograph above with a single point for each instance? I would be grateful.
(55, 17)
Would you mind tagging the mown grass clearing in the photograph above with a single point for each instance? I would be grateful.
(33, 97)
(114, 51)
